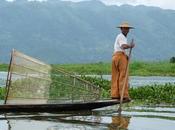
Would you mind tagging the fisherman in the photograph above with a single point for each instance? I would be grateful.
(120, 63)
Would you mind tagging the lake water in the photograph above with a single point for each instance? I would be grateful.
(136, 81)
(133, 118)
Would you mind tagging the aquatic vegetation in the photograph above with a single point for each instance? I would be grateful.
(153, 94)
(102, 83)
(2, 93)
(156, 94)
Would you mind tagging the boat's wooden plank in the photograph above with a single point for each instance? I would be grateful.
(58, 107)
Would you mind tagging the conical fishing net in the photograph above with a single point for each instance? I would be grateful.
(31, 81)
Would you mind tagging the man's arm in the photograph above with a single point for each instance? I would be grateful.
(126, 46)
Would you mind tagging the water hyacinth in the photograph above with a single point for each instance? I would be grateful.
(156, 94)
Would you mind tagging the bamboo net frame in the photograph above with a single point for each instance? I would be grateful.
(31, 81)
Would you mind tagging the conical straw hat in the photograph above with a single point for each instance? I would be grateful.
(125, 25)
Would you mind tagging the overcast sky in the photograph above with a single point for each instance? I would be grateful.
(165, 4)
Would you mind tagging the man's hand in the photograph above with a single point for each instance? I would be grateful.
(132, 45)
(127, 46)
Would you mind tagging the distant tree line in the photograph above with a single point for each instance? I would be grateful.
(172, 60)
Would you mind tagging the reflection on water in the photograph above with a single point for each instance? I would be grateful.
(137, 118)
(73, 123)
(119, 122)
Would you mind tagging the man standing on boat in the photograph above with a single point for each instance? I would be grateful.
(120, 63)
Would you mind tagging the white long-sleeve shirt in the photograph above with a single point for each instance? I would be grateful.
(119, 41)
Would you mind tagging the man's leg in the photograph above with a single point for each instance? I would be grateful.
(123, 74)
(115, 78)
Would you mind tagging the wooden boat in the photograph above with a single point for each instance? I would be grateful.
(32, 86)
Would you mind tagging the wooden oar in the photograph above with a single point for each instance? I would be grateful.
(126, 75)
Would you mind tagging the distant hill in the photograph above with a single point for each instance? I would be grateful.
(67, 32)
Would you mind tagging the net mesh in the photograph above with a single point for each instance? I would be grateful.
(31, 81)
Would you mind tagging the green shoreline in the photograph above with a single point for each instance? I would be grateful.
(137, 68)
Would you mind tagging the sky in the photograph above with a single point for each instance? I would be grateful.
(165, 4)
